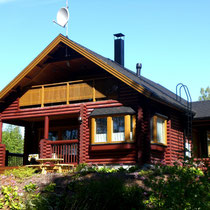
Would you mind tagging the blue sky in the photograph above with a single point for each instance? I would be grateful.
(170, 38)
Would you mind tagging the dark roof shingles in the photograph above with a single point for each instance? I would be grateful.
(157, 90)
(202, 109)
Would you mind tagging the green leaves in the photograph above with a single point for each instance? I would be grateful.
(205, 94)
(13, 140)
(176, 187)
(10, 199)
(31, 187)
(21, 173)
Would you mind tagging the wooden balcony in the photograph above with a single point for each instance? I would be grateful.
(69, 92)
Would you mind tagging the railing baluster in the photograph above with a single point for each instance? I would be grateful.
(74, 153)
(67, 93)
(67, 159)
(94, 91)
(66, 150)
(42, 97)
(71, 152)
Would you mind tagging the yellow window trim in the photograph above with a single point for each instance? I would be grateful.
(93, 130)
(127, 120)
(109, 129)
(154, 131)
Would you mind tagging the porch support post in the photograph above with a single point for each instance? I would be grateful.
(1, 125)
(139, 135)
(83, 147)
(46, 127)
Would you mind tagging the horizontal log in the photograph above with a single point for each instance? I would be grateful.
(74, 141)
(112, 147)
(40, 110)
(38, 115)
(96, 161)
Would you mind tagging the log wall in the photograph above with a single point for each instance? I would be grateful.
(2, 154)
(138, 152)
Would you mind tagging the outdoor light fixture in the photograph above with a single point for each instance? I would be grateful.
(80, 119)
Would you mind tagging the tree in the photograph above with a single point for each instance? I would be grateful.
(205, 94)
(13, 139)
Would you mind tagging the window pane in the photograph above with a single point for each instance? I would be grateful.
(160, 130)
(53, 135)
(101, 130)
(131, 128)
(118, 129)
(70, 134)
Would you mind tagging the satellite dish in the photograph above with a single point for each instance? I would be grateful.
(62, 17)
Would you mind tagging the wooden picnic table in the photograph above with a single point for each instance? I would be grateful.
(49, 160)
(50, 163)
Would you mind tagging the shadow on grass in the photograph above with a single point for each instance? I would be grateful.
(93, 191)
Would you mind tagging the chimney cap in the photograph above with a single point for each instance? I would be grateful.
(119, 35)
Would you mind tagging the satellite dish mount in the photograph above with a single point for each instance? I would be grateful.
(63, 17)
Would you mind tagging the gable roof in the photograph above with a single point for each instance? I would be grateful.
(142, 85)
(202, 109)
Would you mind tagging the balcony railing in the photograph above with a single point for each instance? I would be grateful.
(65, 93)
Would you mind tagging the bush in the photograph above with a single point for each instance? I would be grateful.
(10, 198)
(164, 187)
(176, 187)
(22, 172)
(106, 192)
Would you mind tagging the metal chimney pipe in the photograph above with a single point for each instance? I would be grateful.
(119, 48)
(138, 69)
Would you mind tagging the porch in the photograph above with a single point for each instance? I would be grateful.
(57, 134)
(65, 149)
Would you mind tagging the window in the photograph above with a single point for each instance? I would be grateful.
(101, 130)
(118, 129)
(113, 129)
(53, 135)
(159, 130)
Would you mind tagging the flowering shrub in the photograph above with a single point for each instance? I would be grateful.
(178, 187)
(11, 199)
(21, 172)
(181, 186)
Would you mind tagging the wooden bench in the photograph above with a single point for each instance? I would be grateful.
(47, 168)
(63, 167)
(44, 168)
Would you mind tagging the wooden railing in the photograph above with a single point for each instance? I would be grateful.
(13, 159)
(66, 149)
(67, 92)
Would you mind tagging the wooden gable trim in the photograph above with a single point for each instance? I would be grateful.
(33, 64)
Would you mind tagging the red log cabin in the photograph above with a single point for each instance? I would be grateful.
(89, 109)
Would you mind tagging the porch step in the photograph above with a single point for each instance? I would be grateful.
(2, 169)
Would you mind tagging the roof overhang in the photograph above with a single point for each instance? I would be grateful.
(60, 38)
